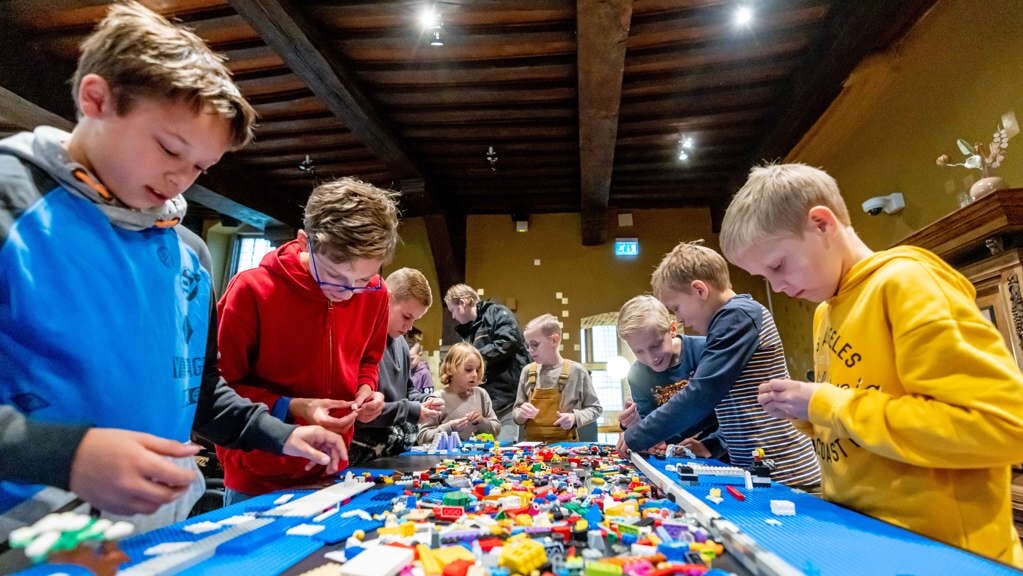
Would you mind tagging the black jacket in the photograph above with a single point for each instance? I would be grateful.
(495, 333)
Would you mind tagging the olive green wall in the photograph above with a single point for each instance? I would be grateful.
(414, 252)
(952, 76)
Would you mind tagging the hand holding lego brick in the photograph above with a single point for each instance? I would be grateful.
(334, 415)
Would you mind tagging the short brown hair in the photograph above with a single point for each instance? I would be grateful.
(348, 219)
(409, 284)
(548, 324)
(141, 54)
(456, 356)
(690, 261)
(776, 199)
(643, 312)
(461, 293)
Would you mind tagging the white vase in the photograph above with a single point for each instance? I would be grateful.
(985, 186)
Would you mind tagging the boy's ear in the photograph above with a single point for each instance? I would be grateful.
(94, 96)
(699, 288)
(820, 219)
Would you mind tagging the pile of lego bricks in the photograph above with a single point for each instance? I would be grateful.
(529, 510)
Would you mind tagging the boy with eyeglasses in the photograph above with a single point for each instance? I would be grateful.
(305, 331)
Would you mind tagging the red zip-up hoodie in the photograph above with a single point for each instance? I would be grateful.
(280, 337)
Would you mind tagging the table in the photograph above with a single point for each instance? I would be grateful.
(821, 538)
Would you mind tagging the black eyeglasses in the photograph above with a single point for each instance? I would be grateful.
(373, 285)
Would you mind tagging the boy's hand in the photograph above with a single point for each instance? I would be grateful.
(630, 416)
(566, 420)
(784, 398)
(528, 411)
(430, 408)
(321, 411)
(368, 404)
(622, 447)
(696, 447)
(659, 449)
(126, 472)
(319, 445)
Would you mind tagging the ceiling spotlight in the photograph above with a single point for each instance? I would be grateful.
(429, 19)
(431, 23)
(307, 166)
(491, 157)
(743, 17)
(685, 145)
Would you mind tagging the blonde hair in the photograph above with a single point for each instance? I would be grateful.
(548, 324)
(348, 219)
(409, 284)
(643, 312)
(689, 261)
(775, 199)
(456, 357)
(141, 54)
(461, 293)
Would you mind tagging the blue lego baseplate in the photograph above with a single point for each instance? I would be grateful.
(267, 550)
(824, 538)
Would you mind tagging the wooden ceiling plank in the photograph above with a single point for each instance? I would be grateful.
(282, 27)
(603, 33)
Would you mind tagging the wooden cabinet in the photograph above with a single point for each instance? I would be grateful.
(984, 241)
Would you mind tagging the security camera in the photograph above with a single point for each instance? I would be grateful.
(889, 204)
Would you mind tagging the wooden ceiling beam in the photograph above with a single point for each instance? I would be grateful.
(603, 33)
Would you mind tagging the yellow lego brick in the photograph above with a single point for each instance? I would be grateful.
(449, 554)
(522, 556)
(429, 561)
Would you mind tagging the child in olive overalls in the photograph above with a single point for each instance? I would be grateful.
(555, 395)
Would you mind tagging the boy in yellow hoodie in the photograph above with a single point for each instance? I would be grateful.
(916, 414)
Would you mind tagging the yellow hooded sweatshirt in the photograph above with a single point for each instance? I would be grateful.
(923, 415)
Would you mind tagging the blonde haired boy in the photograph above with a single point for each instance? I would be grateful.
(917, 409)
(102, 384)
(742, 350)
(555, 396)
(665, 361)
(304, 332)
(395, 429)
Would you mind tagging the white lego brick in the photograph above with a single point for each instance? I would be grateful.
(783, 508)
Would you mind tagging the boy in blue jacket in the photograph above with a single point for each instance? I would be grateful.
(108, 355)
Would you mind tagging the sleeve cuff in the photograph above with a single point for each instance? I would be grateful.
(280, 409)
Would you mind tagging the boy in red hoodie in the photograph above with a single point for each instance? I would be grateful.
(304, 332)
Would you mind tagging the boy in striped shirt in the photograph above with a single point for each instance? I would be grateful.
(743, 349)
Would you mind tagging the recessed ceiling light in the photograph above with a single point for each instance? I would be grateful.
(743, 16)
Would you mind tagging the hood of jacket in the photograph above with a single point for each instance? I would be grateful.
(863, 269)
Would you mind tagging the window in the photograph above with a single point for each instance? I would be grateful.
(602, 351)
(249, 251)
